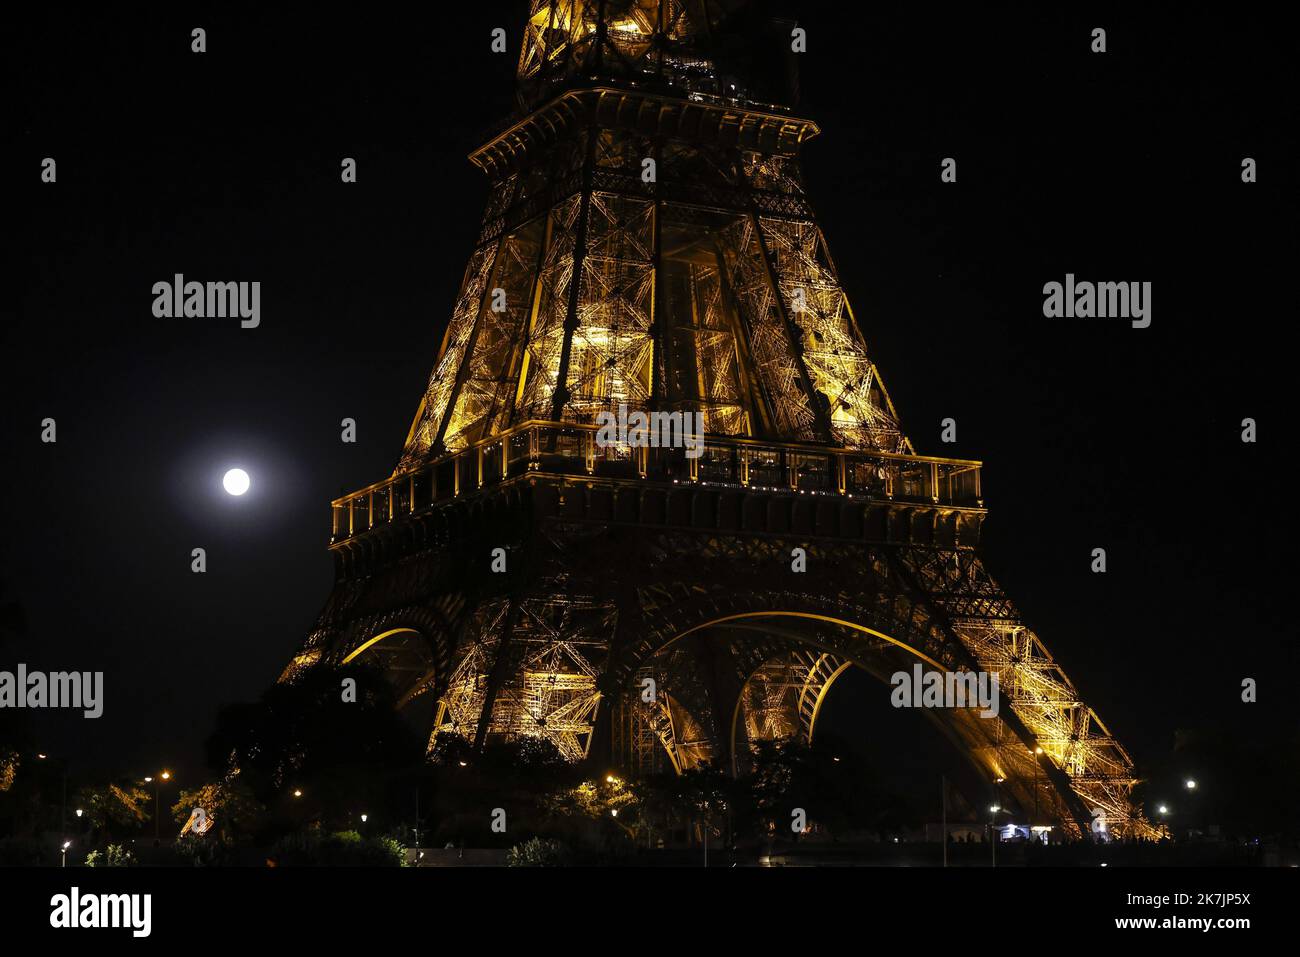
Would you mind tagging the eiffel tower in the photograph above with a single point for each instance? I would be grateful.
(648, 243)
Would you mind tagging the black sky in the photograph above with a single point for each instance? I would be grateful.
(225, 166)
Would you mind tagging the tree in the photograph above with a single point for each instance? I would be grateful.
(116, 808)
(304, 737)
(230, 807)
(13, 624)
(828, 780)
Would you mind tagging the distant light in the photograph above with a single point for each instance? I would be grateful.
(1163, 809)
(610, 779)
(1191, 784)
(1103, 864)
(166, 775)
(80, 812)
(236, 481)
(41, 756)
(613, 812)
(364, 818)
(297, 793)
(148, 780)
(66, 845)
(1038, 750)
(463, 763)
(994, 809)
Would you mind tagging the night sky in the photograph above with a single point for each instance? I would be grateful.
(224, 166)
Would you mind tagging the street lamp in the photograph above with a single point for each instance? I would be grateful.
(66, 845)
(1038, 779)
(157, 801)
(1191, 784)
(993, 836)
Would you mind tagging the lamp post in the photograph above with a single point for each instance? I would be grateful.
(1190, 818)
(66, 845)
(63, 801)
(993, 834)
(157, 802)
(943, 815)
(1038, 779)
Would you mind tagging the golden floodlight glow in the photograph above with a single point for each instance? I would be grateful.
(724, 302)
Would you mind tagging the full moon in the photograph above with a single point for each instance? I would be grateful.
(236, 481)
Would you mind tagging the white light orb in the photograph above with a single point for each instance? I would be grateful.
(235, 481)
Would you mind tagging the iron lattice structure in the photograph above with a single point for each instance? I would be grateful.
(706, 287)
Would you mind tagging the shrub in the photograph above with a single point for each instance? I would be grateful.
(200, 851)
(341, 849)
(537, 852)
(115, 855)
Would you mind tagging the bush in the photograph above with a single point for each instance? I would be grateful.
(341, 849)
(198, 850)
(115, 855)
(538, 852)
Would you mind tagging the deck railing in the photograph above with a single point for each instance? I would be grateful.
(566, 448)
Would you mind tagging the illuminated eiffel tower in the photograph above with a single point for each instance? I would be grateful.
(648, 242)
